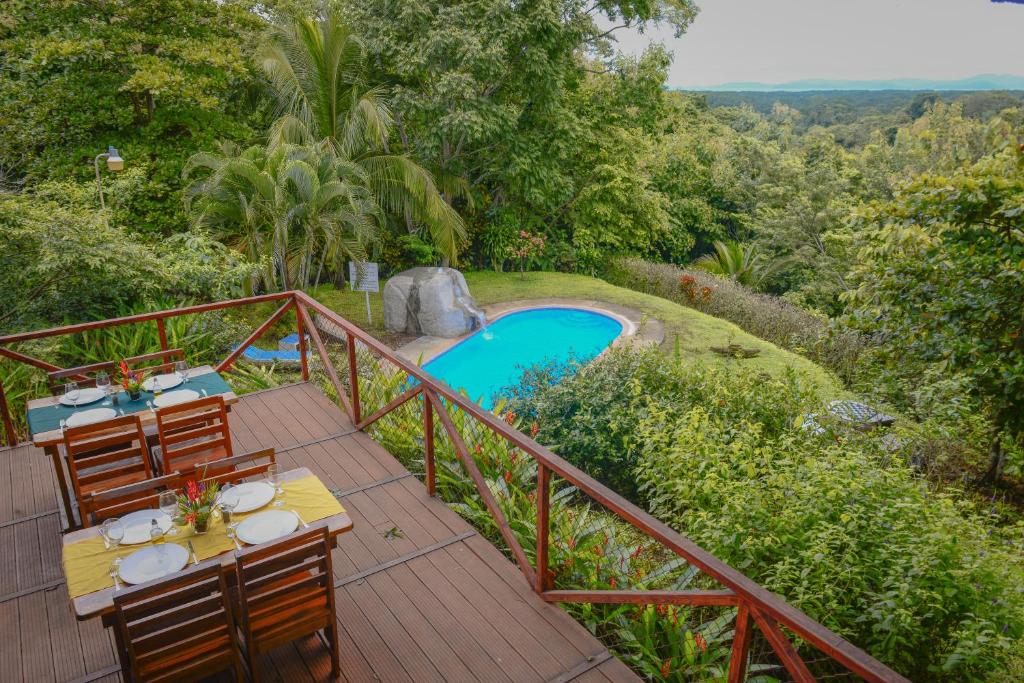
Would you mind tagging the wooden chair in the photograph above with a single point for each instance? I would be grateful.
(193, 433)
(81, 374)
(144, 495)
(229, 470)
(179, 628)
(286, 591)
(106, 455)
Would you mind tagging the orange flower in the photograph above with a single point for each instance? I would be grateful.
(666, 668)
(508, 477)
(612, 582)
(534, 428)
(702, 644)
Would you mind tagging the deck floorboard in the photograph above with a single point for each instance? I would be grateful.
(420, 595)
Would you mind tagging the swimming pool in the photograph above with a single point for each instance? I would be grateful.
(493, 359)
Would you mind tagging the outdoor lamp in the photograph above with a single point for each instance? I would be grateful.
(114, 163)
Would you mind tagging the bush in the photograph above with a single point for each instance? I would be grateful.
(768, 317)
(590, 417)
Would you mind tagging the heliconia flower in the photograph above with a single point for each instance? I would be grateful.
(702, 644)
(534, 428)
(666, 667)
(508, 477)
(477, 449)
(612, 583)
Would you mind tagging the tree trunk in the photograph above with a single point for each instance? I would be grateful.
(996, 454)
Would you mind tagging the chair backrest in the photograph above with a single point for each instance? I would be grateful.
(84, 375)
(286, 588)
(106, 455)
(193, 432)
(144, 495)
(178, 628)
(228, 469)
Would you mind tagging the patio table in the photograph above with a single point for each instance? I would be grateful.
(303, 493)
(45, 414)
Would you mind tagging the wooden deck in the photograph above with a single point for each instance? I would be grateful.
(421, 596)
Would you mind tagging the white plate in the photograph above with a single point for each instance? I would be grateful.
(153, 562)
(173, 398)
(136, 525)
(252, 495)
(168, 381)
(83, 396)
(88, 417)
(266, 526)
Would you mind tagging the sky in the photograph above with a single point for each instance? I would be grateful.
(774, 41)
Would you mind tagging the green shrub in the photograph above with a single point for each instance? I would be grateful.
(590, 418)
(769, 317)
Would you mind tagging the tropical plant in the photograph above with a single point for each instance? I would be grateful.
(735, 261)
(319, 74)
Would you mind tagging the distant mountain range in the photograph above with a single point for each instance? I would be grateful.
(980, 82)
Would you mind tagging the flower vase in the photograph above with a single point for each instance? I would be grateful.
(201, 526)
(135, 395)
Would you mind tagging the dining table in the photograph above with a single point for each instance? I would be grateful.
(87, 558)
(45, 416)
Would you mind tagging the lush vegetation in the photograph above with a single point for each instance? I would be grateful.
(864, 245)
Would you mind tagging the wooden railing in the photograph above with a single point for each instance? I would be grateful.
(754, 604)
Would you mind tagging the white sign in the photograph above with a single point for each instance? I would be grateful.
(363, 277)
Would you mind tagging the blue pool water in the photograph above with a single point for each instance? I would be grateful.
(493, 359)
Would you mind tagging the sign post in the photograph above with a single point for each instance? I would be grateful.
(363, 277)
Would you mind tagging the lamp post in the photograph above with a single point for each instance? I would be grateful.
(115, 164)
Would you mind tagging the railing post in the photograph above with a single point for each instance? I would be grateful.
(162, 331)
(740, 643)
(302, 343)
(428, 441)
(542, 583)
(10, 436)
(353, 375)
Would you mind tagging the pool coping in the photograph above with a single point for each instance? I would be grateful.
(637, 328)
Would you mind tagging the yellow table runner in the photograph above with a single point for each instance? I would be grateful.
(87, 562)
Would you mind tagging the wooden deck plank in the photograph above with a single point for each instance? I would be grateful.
(442, 607)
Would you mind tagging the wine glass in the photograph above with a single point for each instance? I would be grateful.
(169, 506)
(181, 370)
(103, 384)
(113, 530)
(71, 393)
(274, 477)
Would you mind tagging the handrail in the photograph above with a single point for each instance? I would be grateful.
(755, 603)
(767, 604)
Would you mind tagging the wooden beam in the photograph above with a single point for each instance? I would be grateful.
(257, 333)
(394, 403)
(428, 444)
(161, 330)
(644, 597)
(543, 527)
(142, 317)
(483, 489)
(302, 343)
(10, 435)
(332, 374)
(29, 360)
(353, 376)
(740, 645)
(784, 649)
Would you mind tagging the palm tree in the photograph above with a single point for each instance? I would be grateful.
(317, 70)
(736, 261)
(291, 208)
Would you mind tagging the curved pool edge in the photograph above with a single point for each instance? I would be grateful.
(636, 326)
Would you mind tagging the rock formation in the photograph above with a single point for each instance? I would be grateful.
(430, 301)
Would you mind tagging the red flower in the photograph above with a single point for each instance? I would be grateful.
(636, 553)
(534, 428)
(477, 449)
(702, 644)
(666, 668)
(572, 543)
(510, 417)
(612, 582)
(508, 477)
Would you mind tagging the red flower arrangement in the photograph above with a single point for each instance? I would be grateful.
(130, 380)
(196, 503)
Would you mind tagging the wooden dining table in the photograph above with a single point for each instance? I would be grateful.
(101, 603)
(50, 440)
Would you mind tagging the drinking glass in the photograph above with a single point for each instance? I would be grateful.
(156, 534)
(103, 384)
(71, 393)
(228, 500)
(169, 506)
(113, 531)
(181, 370)
(274, 477)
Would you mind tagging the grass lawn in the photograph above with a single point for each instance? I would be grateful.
(696, 332)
